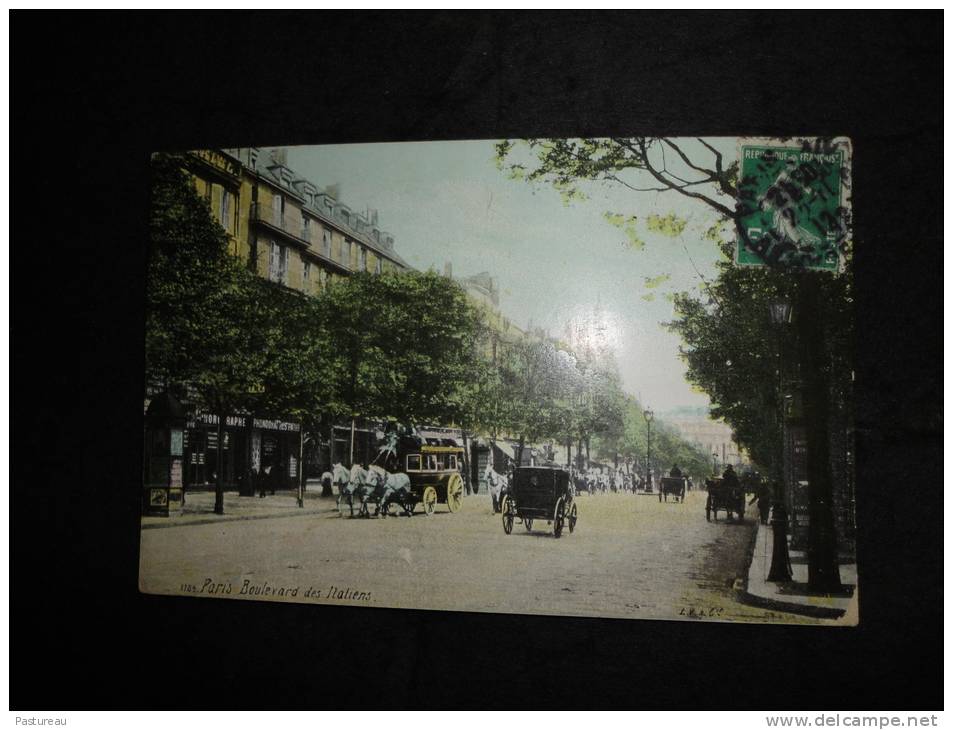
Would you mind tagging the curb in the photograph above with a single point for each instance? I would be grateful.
(750, 599)
(775, 604)
(236, 518)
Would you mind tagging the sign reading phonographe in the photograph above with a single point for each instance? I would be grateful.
(794, 202)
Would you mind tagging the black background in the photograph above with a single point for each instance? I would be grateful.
(93, 94)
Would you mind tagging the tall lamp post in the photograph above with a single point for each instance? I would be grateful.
(714, 463)
(780, 559)
(648, 449)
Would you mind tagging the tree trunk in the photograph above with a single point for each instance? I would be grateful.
(569, 451)
(467, 480)
(353, 427)
(588, 460)
(326, 490)
(301, 481)
(219, 461)
(823, 572)
(519, 452)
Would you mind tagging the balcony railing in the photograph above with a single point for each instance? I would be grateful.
(281, 221)
(266, 214)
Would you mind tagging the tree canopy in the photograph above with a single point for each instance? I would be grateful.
(403, 345)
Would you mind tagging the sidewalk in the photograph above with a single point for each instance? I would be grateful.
(199, 508)
(795, 597)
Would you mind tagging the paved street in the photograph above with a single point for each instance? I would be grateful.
(630, 556)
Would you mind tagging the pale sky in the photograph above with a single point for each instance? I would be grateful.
(446, 201)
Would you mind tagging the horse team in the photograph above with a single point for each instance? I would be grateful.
(359, 488)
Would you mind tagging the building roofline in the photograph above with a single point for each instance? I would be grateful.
(315, 213)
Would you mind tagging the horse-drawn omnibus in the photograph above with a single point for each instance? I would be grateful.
(435, 477)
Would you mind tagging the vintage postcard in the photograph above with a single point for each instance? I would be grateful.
(601, 377)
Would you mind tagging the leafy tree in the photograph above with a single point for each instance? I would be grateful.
(403, 346)
(203, 337)
(530, 392)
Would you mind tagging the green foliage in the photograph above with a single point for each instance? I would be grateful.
(404, 345)
(670, 225)
(202, 333)
(628, 226)
(631, 442)
(639, 164)
(653, 282)
(731, 348)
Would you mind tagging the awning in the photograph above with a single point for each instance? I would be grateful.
(507, 448)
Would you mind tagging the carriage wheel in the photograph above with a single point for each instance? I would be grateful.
(455, 493)
(508, 511)
(528, 523)
(572, 518)
(558, 519)
(430, 500)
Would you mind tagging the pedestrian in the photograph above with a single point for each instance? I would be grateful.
(729, 477)
(261, 480)
(277, 477)
(763, 498)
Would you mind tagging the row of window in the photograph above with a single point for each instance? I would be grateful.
(351, 251)
(278, 268)
(431, 462)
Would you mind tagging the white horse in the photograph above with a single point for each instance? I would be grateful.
(359, 485)
(338, 477)
(497, 483)
(357, 477)
(395, 486)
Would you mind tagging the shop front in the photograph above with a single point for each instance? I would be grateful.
(274, 453)
(201, 451)
(269, 449)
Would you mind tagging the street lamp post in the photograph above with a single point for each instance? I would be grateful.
(648, 449)
(714, 463)
(780, 559)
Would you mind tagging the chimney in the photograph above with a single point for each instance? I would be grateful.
(334, 191)
(280, 156)
(372, 216)
(448, 270)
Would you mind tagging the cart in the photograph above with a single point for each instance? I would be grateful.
(674, 486)
(727, 497)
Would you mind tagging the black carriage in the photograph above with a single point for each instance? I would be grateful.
(540, 493)
(674, 487)
(581, 485)
(729, 497)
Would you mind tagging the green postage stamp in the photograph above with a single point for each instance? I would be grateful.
(794, 202)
